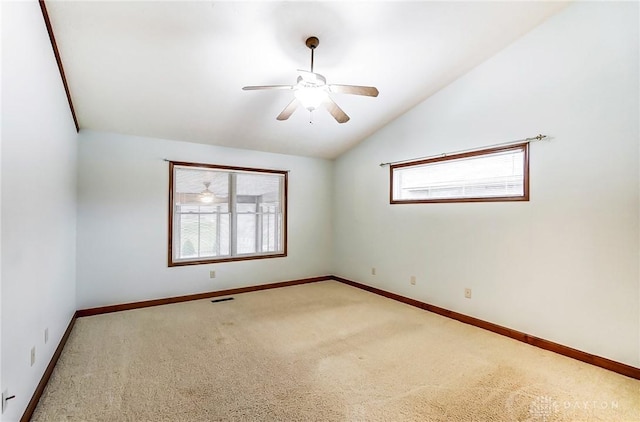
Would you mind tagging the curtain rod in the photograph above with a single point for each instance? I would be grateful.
(504, 144)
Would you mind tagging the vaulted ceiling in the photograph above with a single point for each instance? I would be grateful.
(175, 69)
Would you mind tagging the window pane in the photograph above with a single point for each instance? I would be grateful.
(206, 227)
(483, 175)
(258, 206)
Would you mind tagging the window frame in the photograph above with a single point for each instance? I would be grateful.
(245, 257)
(524, 147)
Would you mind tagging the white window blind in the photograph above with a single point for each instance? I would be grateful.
(222, 214)
(497, 174)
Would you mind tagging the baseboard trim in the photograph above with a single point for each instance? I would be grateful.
(620, 368)
(177, 299)
(31, 407)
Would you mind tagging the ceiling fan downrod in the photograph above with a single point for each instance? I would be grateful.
(312, 43)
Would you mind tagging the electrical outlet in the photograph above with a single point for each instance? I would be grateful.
(373, 271)
(212, 274)
(413, 280)
(33, 355)
(46, 335)
(467, 293)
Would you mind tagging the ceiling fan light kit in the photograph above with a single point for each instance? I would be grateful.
(311, 91)
(206, 196)
(310, 96)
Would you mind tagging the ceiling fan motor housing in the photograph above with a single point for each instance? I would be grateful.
(312, 42)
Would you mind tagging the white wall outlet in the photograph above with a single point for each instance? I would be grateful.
(373, 271)
(46, 335)
(33, 355)
(467, 293)
(212, 274)
(413, 280)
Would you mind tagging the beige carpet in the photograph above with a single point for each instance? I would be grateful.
(323, 351)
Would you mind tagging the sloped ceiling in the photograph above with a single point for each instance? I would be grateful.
(175, 69)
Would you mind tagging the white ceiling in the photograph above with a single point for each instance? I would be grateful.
(174, 69)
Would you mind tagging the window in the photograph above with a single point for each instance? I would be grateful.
(497, 174)
(221, 213)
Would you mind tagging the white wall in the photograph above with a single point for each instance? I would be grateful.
(563, 266)
(38, 203)
(123, 213)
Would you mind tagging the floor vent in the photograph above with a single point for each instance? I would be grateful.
(224, 299)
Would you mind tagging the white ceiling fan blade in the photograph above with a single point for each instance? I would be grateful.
(288, 110)
(336, 112)
(252, 88)
(369, 91)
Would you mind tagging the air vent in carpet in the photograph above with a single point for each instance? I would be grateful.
(224, 299)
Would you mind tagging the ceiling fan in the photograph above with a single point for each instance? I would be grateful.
(312, 91)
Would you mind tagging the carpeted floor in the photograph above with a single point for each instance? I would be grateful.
(322, 351)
